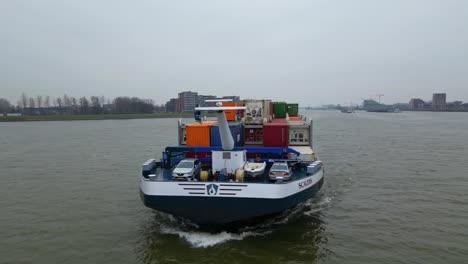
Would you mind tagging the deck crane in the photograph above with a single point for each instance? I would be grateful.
(379, 95)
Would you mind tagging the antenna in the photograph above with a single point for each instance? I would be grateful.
(218, 100)
(219, 106)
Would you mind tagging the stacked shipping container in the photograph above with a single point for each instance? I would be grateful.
(275, 135)
(286, 129)
(257, 111)
(279, 121)
(253, 134)
(280, 109)
(236, 132)
(299, 133)
(233, 115)
(199, 134)
(182, 134)
(293, 109)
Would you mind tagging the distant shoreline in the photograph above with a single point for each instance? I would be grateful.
(92, 117)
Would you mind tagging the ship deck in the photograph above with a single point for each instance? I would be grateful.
(159, 174)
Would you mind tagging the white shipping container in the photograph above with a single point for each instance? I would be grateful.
(266, 109)
(299, 135)
(306, 153)
(182, 134)
(257, 111)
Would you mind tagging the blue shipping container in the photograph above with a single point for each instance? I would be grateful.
(236, 132)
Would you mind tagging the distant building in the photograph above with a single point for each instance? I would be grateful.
(12, 114)
(327, 107)
(234, 98)
(108, 108)
(401, 106)
(171, 105)
(373, 106)
(53, 110)
(455, 106)
(187, 101)
(203, 98)
(416, 104)
(439, 102)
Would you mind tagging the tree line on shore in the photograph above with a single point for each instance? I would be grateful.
(70, 105)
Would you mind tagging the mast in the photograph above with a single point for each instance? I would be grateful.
(226, 137)
(227, 142)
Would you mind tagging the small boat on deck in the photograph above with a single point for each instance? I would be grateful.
(254, 168)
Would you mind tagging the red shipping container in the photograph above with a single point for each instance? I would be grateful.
(271, 109)
(275, 135)
(279, 120)
(253, 135)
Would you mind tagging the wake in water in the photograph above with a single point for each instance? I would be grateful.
(199, 238)
(311, 207)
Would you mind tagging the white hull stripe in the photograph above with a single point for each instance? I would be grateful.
(240, 190)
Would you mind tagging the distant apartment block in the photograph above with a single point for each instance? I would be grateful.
(171, 105)
(416, 104)
(203, 98)
(234, 98)
(187, 101)
(439, 102)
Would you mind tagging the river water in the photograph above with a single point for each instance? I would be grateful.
(396, 191)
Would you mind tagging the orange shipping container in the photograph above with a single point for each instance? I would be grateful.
(231, 114)
(199, 134)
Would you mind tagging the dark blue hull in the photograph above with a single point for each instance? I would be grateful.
(225, 210)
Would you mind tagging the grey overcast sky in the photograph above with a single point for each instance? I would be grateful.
(310, 52)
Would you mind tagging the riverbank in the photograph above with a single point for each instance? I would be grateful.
(92, 117)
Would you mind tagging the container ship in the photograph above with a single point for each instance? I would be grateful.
(255, 161)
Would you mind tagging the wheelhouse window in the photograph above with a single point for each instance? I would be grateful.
(226, 155)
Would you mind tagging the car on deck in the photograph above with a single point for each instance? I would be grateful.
(187, 169)
(280, 171)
